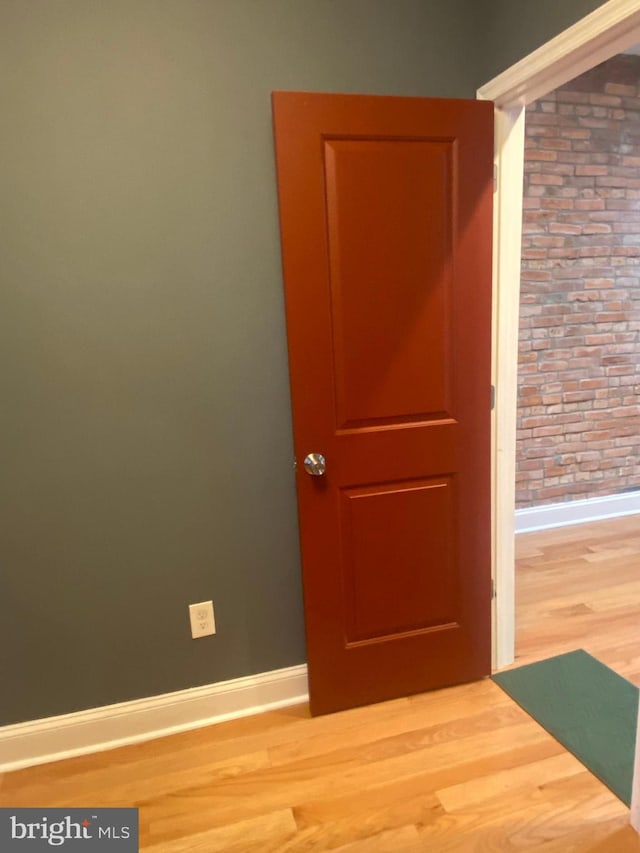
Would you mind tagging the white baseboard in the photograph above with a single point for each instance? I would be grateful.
(576, 512)
(68, 735)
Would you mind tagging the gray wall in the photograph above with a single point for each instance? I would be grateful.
(514, 28)
(145, 421)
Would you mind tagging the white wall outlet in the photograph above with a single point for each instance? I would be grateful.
(203, 622)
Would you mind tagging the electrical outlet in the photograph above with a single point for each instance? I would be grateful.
(203, 622)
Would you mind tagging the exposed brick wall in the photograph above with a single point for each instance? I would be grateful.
(579, 361)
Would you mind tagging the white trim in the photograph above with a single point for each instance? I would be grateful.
(509, 136)
(611, 28)
(577, 512)
(68, 735)
(608, 30)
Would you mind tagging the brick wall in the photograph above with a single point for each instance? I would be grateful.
(579, 360)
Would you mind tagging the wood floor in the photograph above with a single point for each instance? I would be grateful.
(462, 769)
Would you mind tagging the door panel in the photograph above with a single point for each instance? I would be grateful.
(389, 306)
(389, 545)
(385, 214)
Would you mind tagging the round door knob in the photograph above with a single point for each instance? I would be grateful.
(315, 464)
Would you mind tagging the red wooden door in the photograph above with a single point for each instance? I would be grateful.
(385, 216)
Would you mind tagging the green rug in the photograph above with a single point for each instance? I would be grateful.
(586, 706)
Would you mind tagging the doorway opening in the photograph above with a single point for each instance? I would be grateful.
(578, 456)
(609, 30)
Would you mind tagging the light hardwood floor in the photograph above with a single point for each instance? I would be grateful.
(462, 769)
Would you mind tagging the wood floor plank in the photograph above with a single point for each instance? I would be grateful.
(458, 770)
(266, 833)
(458, 704)
(472, 793)
(274, 789)
(406, 840)
(525, 818)
(413, 796)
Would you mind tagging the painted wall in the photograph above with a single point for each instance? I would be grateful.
(145, 427)
(578, 391)
(514, 28)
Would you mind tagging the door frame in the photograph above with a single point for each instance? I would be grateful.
(610, 29)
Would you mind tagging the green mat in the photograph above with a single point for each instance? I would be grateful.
(586, 706)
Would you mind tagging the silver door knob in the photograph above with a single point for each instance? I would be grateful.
(315, 464)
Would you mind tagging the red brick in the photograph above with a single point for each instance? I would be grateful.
(532, 130)
(557, 144)
(601, 123)
(557, 203)
(620, 370)
(536, 275)
(593, 383)
(592, 170)
(548, 241)
(589, 204)
(600, 283)
(607, 100)
(546, 180)
(595, 251)
(583, 296)
(575, 133)
(562, 253)
(535, 155)
(616, 359)
(581, 290)
(574, 157)
(619, 89)
(562, 227)
(579, 396)
(547, 168)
